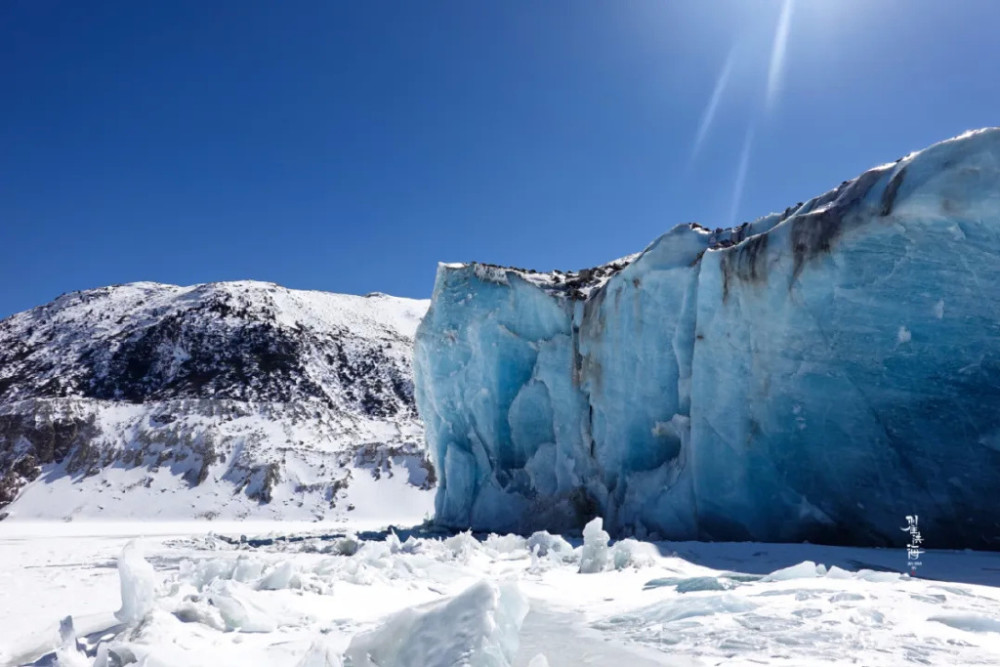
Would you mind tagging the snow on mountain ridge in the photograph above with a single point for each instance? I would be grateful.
(279, 393)
(81, 323)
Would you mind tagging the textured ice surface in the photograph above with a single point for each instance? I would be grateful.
(320, 654)
(817, 374)
(238, 608)
(804, 570)
(969, 622)
(687, 607)
(478, 628)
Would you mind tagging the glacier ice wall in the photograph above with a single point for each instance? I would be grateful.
(817, 374)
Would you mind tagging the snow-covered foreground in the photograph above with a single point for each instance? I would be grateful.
(184, 596)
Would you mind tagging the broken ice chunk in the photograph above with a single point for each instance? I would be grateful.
(138, 583)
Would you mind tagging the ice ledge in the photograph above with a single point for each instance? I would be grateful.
(583, 284)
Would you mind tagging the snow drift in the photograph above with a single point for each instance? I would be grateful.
(816, 374)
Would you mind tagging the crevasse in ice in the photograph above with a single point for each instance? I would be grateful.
(817, 374)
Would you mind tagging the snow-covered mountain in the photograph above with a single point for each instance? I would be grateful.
(220, 400)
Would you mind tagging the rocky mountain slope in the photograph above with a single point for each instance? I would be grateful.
(226, 399)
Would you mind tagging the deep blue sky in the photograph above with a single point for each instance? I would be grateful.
(349, 146)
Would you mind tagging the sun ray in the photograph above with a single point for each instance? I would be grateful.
(741, 175)
(775, 72)
(708, 115)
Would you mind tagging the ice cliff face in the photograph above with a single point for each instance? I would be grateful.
(240, 399)
(817, 374)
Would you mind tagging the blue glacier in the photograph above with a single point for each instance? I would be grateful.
(817, 374)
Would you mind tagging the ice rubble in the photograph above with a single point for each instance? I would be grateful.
(817, 374)
(478, 628)
(595, 547)
(138, 584)
(438, 602)
(68, 654)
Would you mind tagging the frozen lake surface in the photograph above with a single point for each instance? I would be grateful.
(411, 597)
